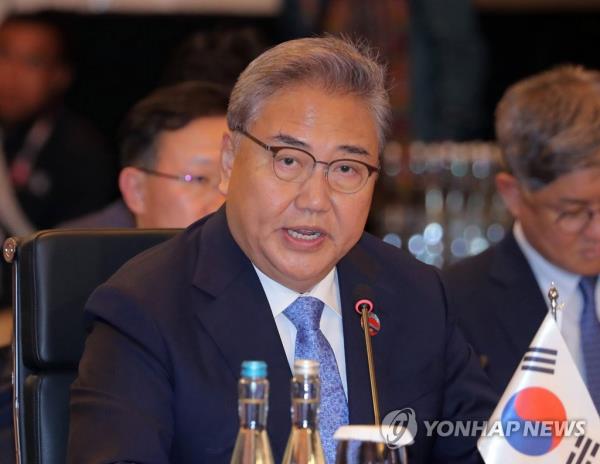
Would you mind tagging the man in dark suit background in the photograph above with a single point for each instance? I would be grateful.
(158, 379)
(57, 163)
(548, 127)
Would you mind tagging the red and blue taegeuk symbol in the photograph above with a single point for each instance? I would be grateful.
(534, 404)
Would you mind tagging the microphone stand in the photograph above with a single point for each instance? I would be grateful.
(371, 363)
(553, 297)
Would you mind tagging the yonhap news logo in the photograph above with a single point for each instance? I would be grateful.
(396, 423)
(535, 431)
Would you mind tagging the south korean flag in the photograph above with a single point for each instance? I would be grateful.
(546, 414)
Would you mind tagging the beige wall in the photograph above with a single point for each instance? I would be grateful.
(246, 7)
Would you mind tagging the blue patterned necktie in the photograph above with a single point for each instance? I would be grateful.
(305, 314)
(590, 338)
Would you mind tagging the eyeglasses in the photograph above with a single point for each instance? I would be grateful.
(296, 165)
(572, 222)
(187, 178)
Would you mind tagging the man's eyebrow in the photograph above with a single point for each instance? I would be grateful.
(294, 142)
(354, 150)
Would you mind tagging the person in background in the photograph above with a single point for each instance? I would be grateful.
(170, 153)
(193, 60)
(53, 164)
(548, 127)
(57, 163)
(274, 275)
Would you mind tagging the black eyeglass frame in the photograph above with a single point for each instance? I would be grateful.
(276, 149)
(187, 178)
(562, 217)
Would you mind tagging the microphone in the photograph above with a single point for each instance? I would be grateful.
(370, 324)
(363, 304)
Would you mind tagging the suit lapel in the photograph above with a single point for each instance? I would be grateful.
(519, 305)
(238, 318)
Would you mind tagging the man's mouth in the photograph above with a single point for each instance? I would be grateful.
(304, 234)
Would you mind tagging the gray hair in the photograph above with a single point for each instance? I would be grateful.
(337, 64)
(549, 124)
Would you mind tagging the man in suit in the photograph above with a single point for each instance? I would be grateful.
(170, 153)
(548, 127)
(286, 255)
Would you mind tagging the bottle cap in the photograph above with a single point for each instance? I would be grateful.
(254, 369)
(306, 367)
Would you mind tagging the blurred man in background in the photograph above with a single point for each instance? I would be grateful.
(169, 117)
(53, 165)
(548, 127)
(56, 163)
(170, 153)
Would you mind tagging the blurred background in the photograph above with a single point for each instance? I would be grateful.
(449, 63)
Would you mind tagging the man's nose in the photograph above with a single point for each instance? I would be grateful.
(314, 193)
(592, 229)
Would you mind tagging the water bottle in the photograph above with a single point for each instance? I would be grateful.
(304, 444)
(252, 444)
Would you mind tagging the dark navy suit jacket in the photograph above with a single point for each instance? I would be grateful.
(114, 215)
(158, 379)
(499, 306)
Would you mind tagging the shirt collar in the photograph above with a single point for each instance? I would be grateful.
(546, 272)
(280, 297)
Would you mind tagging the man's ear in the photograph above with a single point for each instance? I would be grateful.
(510, 190)
(227, 159)
(132, 186)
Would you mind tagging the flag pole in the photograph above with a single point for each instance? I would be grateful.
(553, 297)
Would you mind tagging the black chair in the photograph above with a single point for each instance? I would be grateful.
(54, 272)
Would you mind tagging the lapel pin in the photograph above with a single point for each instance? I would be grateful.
(374, 324)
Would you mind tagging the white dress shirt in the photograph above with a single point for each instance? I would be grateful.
(327, 290)
(570, 299)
